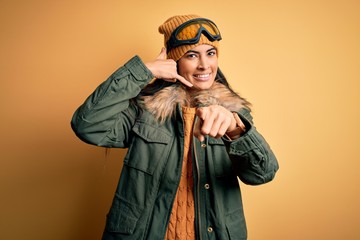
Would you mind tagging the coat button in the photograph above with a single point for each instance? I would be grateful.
(207, 186)
(210, 229)
(203, 145)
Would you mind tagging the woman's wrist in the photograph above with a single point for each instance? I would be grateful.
(238, 130)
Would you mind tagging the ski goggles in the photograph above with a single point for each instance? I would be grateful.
(190, 32)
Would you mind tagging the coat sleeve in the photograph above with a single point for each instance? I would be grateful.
(107, 115)
(252, 157)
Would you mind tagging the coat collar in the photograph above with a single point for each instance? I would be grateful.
(163, 103)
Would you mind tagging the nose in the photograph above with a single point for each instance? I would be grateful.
(203, 63)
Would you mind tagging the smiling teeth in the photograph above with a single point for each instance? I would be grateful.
(203, 75)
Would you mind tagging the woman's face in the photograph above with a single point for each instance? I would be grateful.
(199, 66)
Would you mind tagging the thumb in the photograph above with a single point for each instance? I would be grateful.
(162, 54)
(197, 130)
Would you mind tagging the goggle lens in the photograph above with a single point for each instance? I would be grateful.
(190, 32)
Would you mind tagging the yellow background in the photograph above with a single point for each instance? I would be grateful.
(298, 62)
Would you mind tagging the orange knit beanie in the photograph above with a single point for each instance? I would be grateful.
(171, 24)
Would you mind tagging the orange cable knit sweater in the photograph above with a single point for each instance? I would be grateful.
(181, 225)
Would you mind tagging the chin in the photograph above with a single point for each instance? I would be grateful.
(202, 87)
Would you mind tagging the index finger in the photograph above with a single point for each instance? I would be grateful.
(184, 81)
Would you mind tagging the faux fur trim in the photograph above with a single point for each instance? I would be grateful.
(164, 102)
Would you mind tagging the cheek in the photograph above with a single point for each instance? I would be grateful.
(180, 68)
(215, 63)
(184, 69)
(181, 72)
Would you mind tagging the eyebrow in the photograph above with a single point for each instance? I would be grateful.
(193, 51)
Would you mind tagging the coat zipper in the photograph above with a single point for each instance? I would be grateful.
(198, 186)
(198, 190)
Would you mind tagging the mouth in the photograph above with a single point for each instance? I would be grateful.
(202, 77)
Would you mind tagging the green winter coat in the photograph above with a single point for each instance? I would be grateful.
(151, 172)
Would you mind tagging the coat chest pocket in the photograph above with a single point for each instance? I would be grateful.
(220, 157)
(149, 146)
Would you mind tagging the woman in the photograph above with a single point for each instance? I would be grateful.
(189, 138)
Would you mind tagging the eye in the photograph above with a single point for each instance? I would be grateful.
(212, 53)
(191, 55)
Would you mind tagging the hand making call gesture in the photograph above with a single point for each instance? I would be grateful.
(166, 69)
